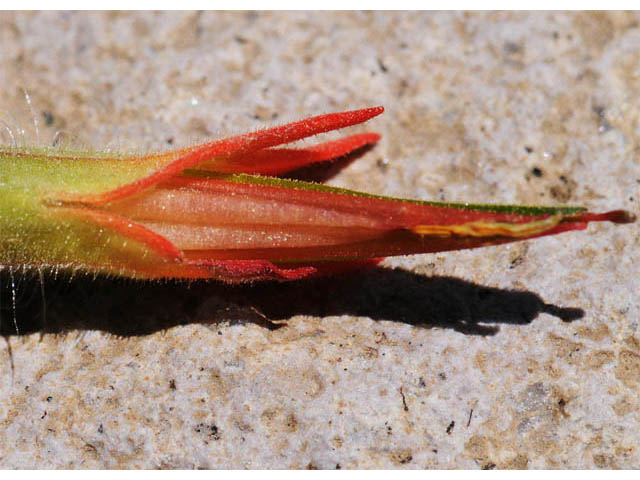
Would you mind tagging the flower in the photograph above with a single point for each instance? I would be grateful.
(210, 211)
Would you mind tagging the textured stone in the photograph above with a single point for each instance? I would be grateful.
(457, 360)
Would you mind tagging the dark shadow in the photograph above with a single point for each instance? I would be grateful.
(127, 308)
(324, 171)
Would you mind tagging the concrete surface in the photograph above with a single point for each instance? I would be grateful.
(522, 356)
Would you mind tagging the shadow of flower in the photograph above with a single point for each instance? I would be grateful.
(128, 308)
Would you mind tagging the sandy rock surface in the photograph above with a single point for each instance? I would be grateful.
(522, 356)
